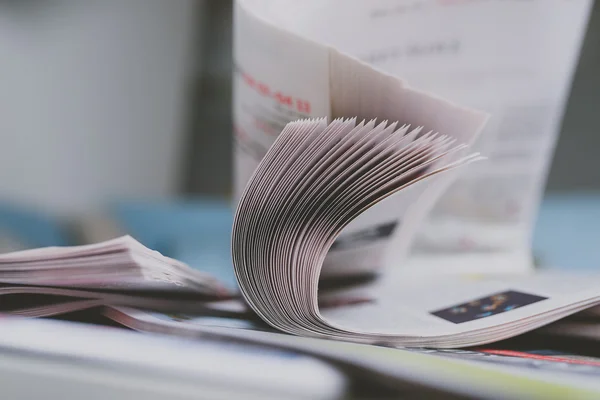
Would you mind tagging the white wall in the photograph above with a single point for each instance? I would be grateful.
(92, 95)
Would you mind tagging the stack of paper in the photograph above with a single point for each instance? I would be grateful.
(58, 280)
(122, 263)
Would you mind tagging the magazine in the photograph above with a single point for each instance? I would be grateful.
(317, 179)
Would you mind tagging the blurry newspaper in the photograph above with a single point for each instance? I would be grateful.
(311, 58)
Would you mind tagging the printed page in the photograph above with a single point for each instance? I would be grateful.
(360, 90)
(460, 50)
(278, 77)
(315, 180)
(463, 304)
(352, 89)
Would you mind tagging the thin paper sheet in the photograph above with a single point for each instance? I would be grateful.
(299, 59)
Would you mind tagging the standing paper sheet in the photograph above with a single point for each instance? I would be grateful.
(512, 59)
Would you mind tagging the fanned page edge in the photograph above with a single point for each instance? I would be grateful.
(152, 269)
(122, 243)
(255, 276)
(292, 307)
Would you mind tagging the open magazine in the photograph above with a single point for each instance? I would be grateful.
(317, 180)
(341, 195)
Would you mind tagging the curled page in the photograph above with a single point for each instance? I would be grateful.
(318, 178)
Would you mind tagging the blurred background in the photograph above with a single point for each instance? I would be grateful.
(115, 116)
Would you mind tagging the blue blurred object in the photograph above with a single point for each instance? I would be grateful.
(158, 224)
(197, 232)
(29, 228)
(209, 252)
(567, 232)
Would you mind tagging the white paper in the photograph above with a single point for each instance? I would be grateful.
(318, 179)
(461, 50)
